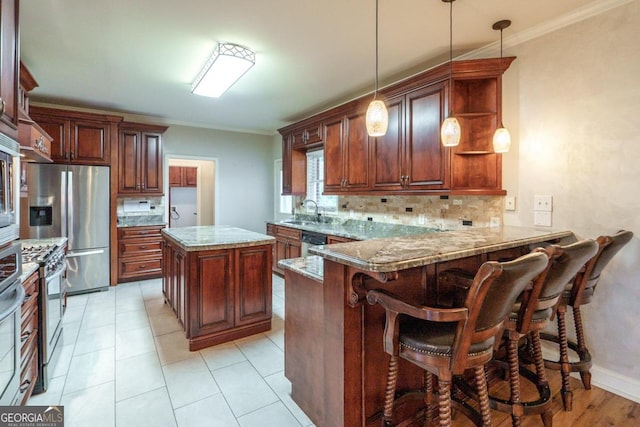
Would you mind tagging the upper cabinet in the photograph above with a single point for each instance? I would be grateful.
(9, 67)
(140, 159)
(410, 158)
(183, 176)
(77, 137)
(346, 153)
(35, 143)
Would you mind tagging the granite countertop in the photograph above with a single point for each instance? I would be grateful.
(140, 220)
(205, 237)
(311, 266)
(27, 270)
(357, 230)
(399, 253)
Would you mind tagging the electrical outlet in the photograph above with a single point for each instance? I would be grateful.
(542, 219)
(421, 219)
(495, 221)
(543, 203)
(457, 202)
(510, 203)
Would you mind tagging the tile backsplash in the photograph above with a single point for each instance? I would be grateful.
(154, 214)
(448, 212)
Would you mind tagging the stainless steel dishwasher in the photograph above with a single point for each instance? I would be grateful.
(310, 238)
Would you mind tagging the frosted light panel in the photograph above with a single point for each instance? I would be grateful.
(501, 140)
(228, 63)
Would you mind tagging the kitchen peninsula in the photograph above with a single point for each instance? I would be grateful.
(334, 353)
(217, 280)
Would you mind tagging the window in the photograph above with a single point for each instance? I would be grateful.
(315, 182)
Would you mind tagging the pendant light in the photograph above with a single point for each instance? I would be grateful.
(501, 138)
(450, 131)
(377, 118)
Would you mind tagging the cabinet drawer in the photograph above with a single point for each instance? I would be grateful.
(28, 378)
(140, 267)
(29, 332)
(291, 233)
(137, 247)
(133, 232)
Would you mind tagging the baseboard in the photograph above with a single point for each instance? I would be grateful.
(616, 383)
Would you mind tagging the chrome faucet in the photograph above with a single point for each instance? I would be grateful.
(316, 207)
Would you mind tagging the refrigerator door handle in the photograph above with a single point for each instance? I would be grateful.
(84, 253)
(70, 215)
(63, 202)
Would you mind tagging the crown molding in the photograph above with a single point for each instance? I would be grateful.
(592, 9)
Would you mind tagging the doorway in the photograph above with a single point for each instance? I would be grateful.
(191, 191)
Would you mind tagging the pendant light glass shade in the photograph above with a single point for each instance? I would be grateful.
(450, 132)
(501, 140)
(377, 119)
(501, 137)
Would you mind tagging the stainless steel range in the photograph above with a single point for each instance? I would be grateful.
(53, 267)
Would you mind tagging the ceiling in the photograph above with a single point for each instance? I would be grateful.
(140, 57)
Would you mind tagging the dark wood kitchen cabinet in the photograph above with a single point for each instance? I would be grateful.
(218, 294)
(410, 156)
(139, 253)
(78, 137)
(9, 66)
(294, 168)
(309, 135)
(140, 159)
(183, 176)
(346, 153)
(29, 338)
(288, 244)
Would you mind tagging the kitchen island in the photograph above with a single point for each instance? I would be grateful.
(217, 280)
(334, 354)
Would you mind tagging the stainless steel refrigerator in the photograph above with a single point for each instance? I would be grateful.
(72, 201)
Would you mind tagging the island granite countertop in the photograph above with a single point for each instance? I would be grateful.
(399, 253)
(210, 237)
(311, 266)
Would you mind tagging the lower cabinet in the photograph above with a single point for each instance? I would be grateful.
(218, 295)
(139, 253)
(29, 339)
(288, 245)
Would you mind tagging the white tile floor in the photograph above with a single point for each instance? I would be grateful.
(125, 362)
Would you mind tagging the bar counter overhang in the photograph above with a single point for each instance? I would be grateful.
(334, 356)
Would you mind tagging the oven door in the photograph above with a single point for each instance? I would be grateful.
(53, 309)
(10, 303)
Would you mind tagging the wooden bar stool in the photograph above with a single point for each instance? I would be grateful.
(448, 341)
(527, 318)
(580, 291)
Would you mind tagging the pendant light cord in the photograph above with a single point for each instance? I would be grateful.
(450, 56)
(375, 93)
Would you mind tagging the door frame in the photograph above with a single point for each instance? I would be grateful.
(200, 188)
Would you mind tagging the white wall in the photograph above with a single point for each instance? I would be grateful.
(245, 171)
(572, 103)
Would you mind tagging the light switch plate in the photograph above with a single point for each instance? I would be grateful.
(510, 203)
(542, 219)
(543, 203)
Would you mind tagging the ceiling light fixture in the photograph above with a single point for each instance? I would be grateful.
(226, 65)
(501, 138)
(377, 118)
(450, 131)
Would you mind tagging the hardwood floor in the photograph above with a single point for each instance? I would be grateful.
(595, 407)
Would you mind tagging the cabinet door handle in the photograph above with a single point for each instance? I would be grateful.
(25, 336)
(3, 105)
(144, 247)
(142, 266)
(72, 156)
(24, 386)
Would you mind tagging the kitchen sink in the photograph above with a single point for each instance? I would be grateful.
(299, 222)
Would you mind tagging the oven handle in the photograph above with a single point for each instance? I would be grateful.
(57, 273)
(9, 307)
